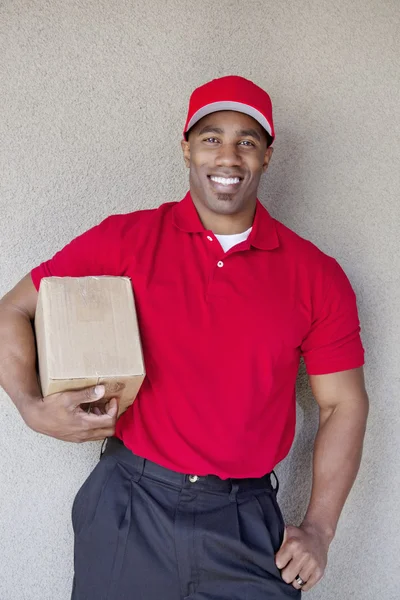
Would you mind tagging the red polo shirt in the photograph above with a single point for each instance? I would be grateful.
(222, 333)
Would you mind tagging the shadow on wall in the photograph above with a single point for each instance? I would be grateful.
(295, 472)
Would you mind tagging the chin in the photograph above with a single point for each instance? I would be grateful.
(225, 204)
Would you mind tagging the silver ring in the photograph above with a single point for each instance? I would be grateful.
(299, 581)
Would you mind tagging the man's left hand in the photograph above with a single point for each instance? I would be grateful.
(304, 552)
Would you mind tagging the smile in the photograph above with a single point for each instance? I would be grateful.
(225, 180)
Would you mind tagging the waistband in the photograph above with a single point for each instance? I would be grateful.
(142, 467)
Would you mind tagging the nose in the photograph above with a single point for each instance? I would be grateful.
(228, 156)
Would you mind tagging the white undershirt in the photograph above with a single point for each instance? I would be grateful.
(228, 241)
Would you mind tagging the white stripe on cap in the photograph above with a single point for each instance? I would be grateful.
(236, 106)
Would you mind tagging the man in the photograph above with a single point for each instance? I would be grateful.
(182, 504)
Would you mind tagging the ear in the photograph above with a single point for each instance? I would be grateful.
(267, 158)
(186, 152)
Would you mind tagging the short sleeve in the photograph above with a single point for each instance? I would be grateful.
(333, 342)
(94, 253)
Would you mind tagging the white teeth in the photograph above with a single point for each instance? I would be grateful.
(225, 180)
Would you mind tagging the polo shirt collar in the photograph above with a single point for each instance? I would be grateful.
(186, 217)
(263, 234)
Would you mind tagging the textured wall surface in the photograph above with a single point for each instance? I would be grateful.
(93, 97)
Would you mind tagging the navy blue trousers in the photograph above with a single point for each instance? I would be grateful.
(143, 532)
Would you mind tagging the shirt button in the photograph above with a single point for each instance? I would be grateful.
(193, 478)
(220, 263)
(209, 238)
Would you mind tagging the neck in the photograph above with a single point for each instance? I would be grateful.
(221, 224)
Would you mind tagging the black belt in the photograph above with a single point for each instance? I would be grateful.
(142, 467)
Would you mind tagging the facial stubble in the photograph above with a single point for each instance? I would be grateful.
(224, 197)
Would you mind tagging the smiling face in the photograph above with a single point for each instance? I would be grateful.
(226, 153)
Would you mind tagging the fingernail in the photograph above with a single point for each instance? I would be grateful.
(99, 390)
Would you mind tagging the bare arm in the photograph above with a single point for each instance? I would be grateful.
(59, 415)
(17, 350)
(343, 404)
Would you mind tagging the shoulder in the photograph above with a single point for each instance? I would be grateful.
(318, 274)
(302, 251)
(124, 223)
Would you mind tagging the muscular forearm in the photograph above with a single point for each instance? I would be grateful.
(337, 455)
(18, 357)
(59, 415)
(303, 555)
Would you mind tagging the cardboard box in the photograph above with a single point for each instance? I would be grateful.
(87, 334)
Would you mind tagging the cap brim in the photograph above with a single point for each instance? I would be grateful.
(228, 105)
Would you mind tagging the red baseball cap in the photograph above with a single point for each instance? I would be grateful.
(231, 93)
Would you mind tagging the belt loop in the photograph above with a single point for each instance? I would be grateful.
(276, 488)
(139, 468)
(233, 492)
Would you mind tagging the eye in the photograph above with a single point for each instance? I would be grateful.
(212, 140)
(247, 143)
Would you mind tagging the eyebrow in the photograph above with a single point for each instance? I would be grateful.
(249, 133)
(242, 132)
(210, 129)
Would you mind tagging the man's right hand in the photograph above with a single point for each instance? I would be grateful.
(62, 417)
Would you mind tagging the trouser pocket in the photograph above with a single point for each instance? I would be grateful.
(272, 516)
(102, 520)
(89, 494)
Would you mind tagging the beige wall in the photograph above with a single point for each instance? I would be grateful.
(92, 102)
